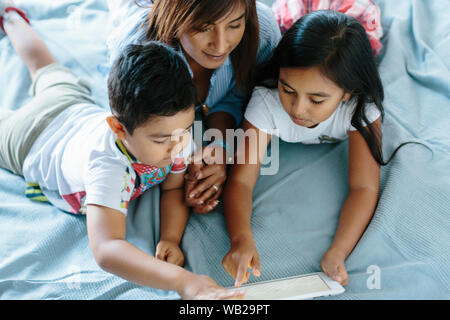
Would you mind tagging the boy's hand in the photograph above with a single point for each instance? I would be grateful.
(169, 251)
(199, 287)
(333, 265)
(242, 255)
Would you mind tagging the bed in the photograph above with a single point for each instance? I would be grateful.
(403, 254)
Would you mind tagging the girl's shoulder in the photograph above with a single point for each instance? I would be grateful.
(264, 109)
(268, 96)
(347, 109)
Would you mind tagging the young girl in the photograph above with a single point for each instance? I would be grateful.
(321, 85)
(222, 42)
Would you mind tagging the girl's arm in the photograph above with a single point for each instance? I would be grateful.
(358, 208)
(238, 203)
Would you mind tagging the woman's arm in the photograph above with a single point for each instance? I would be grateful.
(360, 204)
(238, 204)
(215, 173)
(221, 121)
(228, 112)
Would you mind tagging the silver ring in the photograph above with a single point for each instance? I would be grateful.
(215, 187)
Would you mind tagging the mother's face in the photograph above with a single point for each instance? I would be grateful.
(211, 46)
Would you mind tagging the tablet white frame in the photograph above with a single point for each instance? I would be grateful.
(335, 287)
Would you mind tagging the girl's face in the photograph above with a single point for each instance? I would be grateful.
(308, 96)
(211, 46)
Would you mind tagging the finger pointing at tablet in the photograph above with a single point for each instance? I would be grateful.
(242, 273)
(242, 255)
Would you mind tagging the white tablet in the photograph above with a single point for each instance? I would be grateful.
(306, 286)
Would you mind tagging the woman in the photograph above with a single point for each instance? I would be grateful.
(222, 42)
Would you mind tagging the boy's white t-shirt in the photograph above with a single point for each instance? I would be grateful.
(76, 161)
(266, 112)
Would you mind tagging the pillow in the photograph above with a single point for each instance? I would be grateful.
(366, 11)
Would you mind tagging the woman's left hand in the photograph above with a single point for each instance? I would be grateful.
(333, 266)
(205, 178)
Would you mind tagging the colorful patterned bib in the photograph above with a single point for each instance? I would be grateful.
(146, 176)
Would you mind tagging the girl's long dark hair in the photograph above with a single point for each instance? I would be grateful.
(338, 44)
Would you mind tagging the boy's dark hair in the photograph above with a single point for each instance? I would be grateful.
(149, 80)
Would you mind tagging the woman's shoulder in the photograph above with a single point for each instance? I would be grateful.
(269, 31)
(126, 25)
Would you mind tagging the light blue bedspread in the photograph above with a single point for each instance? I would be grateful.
(45, 253)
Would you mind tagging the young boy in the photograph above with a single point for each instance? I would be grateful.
(85, 160)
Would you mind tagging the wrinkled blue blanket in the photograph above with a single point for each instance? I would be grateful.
(45, 253)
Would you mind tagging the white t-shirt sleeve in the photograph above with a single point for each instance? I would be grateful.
(258, 111)
(372, 114)
(109, 183)
(180, 161)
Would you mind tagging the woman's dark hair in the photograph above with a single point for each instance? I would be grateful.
(149, 80)
(169, 18)
(338, 45)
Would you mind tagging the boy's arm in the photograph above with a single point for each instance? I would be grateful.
(174, 212)
(106, 231)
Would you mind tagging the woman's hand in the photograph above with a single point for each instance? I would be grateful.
(204, 179)
(333, 265)
(242, 255)
(199, 287)
(169, 251)
(197, 205)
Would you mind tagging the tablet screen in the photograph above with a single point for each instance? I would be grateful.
(285, 288)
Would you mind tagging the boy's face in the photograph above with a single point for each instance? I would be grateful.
(160, 139)
(308, 96)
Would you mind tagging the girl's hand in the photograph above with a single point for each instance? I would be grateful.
(242, 255)
(333, 265)
(199, 287)
(169, 251)
(205, 178)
